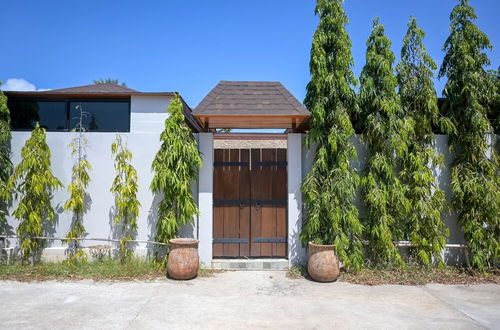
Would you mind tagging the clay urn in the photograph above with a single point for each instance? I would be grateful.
(322, 263)
(183, 260)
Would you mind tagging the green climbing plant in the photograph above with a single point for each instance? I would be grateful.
(424, 227)
(77, 190)
(385, 133)
(33, 183)
(5, 163)
(475, 177)
(124, 188)
(330, 186)
(175, 167)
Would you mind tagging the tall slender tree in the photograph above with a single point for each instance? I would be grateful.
(33, 183)
(424, 226)
(124, 188)
(77, 201)
(330, 187)
(5, 164)
(475, 178)
(385, 134)
(175, 167)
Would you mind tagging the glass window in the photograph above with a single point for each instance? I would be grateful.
(25, 113)
(98, 116)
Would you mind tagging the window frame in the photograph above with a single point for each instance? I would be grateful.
(68, 111)
(67, 102)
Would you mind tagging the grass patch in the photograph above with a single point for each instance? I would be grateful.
(417, 275)
(205, 272)
(107, 269)
(297, 272)
(413, 275)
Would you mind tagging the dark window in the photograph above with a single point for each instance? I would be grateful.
(25, 113)
(98, 115)
(101, 116)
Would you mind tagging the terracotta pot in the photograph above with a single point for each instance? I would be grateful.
(322, 263)
(183, 260)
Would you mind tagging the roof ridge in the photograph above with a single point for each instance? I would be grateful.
(286, 96)
(248, 82)
(291, 99)
(97, 88)
(211, 96)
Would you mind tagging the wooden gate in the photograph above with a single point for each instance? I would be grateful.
(250, 203)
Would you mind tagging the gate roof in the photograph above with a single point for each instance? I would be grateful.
(250, 104)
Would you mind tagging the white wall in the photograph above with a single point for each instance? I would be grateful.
(205, 184)
(295, 157)
(451, 255)
(148, 114)
(147, 121)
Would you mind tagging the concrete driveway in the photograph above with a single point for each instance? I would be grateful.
(235, 300)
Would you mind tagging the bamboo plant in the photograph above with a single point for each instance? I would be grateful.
(5, 163)
(124, 188)
(78, 200)
(175, 167)
(33, 184)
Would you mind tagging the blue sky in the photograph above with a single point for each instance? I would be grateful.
(188, 46)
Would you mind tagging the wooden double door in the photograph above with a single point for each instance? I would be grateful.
(250, 203)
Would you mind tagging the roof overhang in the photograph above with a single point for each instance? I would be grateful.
(290, 122)
(48, 94)
(250, 136)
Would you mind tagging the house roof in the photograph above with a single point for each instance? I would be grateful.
(254, 103)
(92, 89)
(250, 98)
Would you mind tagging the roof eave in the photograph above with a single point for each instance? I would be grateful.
(45, 94)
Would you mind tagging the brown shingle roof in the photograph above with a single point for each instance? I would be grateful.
(250, 98)
(92, 89)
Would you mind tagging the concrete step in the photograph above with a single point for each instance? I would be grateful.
(250, 264)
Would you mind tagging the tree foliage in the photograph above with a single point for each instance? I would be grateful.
(385, 134)
(330, 186)
(424, 226)
(175, 167)
(33, 183)
(469, 93)
(109, 81)
(495, 107)
(124, 188)
(78, 194)
(5, 163)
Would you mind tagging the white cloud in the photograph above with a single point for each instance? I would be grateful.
(17, 84)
